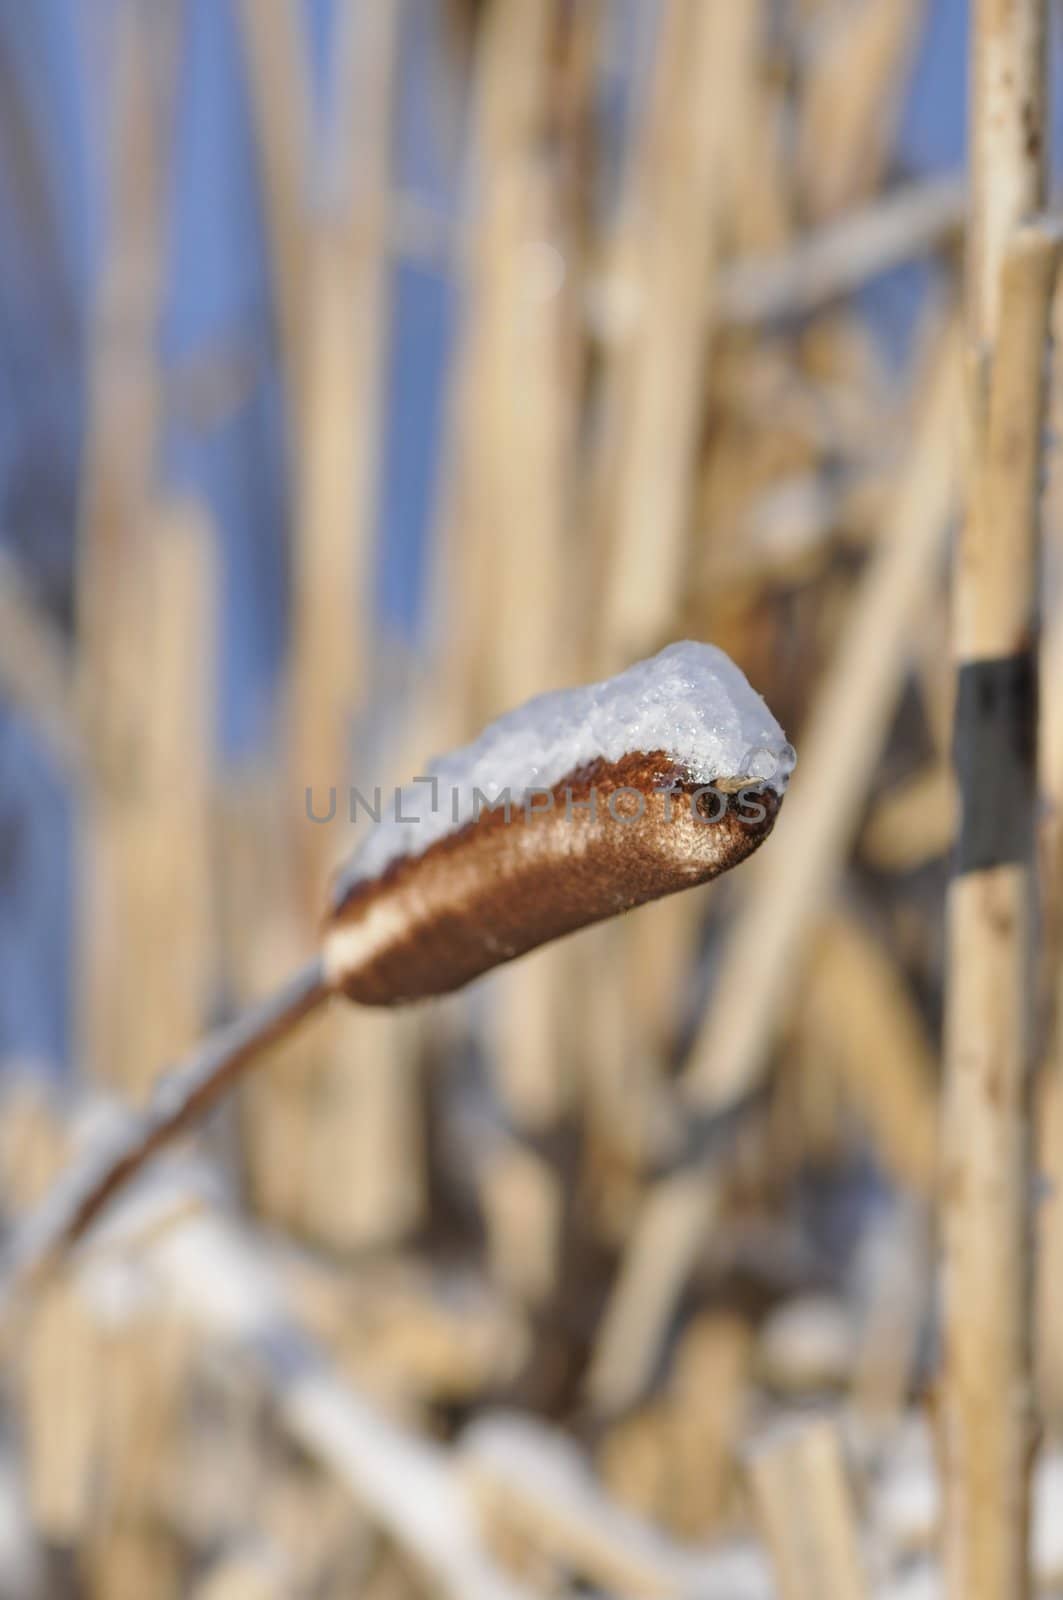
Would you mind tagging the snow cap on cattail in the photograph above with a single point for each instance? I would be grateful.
(567, 810)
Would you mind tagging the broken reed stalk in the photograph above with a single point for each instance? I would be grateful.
(986, 1421)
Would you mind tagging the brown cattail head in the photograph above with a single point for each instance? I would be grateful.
(601, 799)
(609, 836)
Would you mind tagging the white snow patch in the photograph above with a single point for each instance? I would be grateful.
(690, 701)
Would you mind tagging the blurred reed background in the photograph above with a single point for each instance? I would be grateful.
(369, 367)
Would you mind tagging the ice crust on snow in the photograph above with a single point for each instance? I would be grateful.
(690, 701)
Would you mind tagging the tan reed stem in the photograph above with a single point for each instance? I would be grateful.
(986, 1433)
(986, 1436)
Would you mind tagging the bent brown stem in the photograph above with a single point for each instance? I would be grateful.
(181, 1097)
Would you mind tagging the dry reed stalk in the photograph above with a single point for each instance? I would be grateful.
(340, 441)
(318, 1543)
(620, 1080)
(262, 941)
(362, 1178)
(785, 897)
(986, 1425)
(1050, 830)
(400, 1328)
(331, 556)
(637, 976)
(362, 1088)
(276, 1117)
(913, 823)
(512, 466)
(937, 685)
(243, 1577)
(467, 548)
(634, 1460)
(278, 73)
(838, 750)
(62, 1414)
(276, 1128)
(806, 1508)
(709, 1397)
(1008, 102)
(365, 1178)
(157, 997)
(165, 865)
(33, 1144)
(124, 390)
(521, 307)
(669, 1230)
(530, 1036)
(463, 565)
(866, 1023)
(986, 1432)
(1049, 1223)
(131, 1562)
(58, 1348)
(838, 258)
(334, 349)
(531, 1481)
(771, 508)
(852, 100)
(680, 197)
(898, 1264)
(633, 976)
(673, 1461)
(703, 94)
(144, 1364)
(1050, 725)
(763, 212)
(523, 1205)
(140, 1376)
(145, 590)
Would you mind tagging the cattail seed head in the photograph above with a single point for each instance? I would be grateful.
(435, 902)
